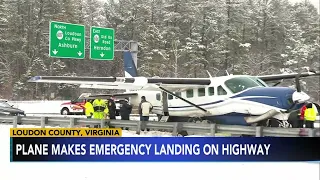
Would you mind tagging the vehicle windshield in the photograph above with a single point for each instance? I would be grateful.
(4, 104)
(239, 84)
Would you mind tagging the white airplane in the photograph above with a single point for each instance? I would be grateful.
(232, 99)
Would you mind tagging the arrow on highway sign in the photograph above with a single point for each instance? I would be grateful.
(55, 51)
(102, 54)
(79, 53)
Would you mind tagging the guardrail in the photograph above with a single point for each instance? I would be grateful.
(174, 127)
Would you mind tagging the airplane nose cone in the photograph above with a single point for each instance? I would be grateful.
(301, 97)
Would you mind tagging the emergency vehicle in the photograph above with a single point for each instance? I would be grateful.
(76, 106)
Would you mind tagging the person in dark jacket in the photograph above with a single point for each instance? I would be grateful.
(112, 108)
(125, 109)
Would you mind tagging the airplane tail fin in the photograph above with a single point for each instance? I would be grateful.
(130, 69)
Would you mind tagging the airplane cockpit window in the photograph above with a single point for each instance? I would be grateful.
(239, 84)
(211, 91)
(259, 81)
(189, 93)
(221, 91)
(170, 96)
(201, 92)
(158, 97)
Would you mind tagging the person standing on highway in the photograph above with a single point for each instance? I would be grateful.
(99, 107)
(145, 108)
(125, 109)
(301, 120)
(310, 115)
(112, 108)
(89, 109)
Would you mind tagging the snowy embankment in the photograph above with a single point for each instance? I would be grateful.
(94, 171)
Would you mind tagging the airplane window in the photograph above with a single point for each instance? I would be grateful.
(221, 91)
(239, 84)
(211, 91)
(190, 93)
(158, 97)
(259, 81)
(170, 96)
(178, 94)
(201, 92)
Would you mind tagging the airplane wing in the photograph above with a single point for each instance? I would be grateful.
(275, 77)
(132, 83)
(150, 84)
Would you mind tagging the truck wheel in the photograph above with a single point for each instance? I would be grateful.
(65, 111)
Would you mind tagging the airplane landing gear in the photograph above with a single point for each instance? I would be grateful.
(195, 120)
(277, 123)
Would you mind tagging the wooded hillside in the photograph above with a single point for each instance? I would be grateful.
(178, 38)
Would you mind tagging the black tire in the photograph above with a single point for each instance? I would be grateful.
(65, 111)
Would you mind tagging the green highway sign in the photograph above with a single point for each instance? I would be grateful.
(101, 43)
(66, 40)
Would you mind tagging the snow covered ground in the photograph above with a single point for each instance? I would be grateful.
(161, 171)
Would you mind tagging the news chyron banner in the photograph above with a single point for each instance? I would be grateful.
(94, 144)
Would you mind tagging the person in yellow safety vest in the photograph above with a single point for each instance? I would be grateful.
(99, 107)
(89, 109)
(310, 115)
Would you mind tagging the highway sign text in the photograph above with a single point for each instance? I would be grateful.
(101, 43)
(67, 40)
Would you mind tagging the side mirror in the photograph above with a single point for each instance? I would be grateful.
(73, 101)
(12, 105)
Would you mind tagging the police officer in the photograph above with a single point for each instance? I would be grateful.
(99, 107)
(310, 115)
(89, 109)
(112, 108)
(125, 109)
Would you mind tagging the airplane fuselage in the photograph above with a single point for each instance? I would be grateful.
(223, 105)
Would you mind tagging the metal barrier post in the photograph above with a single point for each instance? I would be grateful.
(16, 121)
(213, 130)
(139, 125)
(259, 131)
(102, 123)
(72, 122)
(175, 129)
(44, 121)
(311, 132)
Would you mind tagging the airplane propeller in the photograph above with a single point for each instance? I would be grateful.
(297, 79)
(298, 88)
